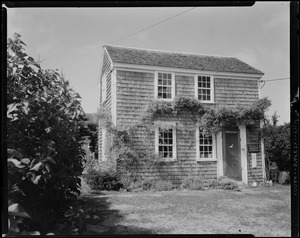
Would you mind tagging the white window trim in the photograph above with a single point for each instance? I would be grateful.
(212, 88)
(214, 155)
(156, 85)
(173, 126)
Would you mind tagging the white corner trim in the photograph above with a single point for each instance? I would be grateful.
(244, 164)
(220, 169)
(263, 154)
(114, 97)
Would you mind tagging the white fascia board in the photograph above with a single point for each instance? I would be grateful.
(151, 68)
(105, 50)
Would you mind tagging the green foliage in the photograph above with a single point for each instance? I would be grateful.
(277, 143)
(209, 119)
(163, 186)
(223, 183)
(214, 120)
(45, 131)
(192, 183)
(99, 180)
(158, 107)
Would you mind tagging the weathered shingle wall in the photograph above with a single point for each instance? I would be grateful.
(135, 91)
(229, 92)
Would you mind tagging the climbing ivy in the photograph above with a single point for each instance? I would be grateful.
(209, 118)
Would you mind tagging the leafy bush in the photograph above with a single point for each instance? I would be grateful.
(163, 186)
(223, 183)
(277, 144)
(140, 185)
(192, 183)
(45, 131)
(99, 180)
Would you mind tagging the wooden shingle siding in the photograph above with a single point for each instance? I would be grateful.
(253, 136)
(134, 91)
(185, 85)
(229, 92)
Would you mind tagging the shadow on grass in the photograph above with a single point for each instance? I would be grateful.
(100, 219)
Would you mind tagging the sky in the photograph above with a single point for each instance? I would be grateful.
(71, 40)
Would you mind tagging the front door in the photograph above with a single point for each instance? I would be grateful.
(232, 160)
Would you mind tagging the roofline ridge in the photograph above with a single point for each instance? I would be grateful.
(177, 52)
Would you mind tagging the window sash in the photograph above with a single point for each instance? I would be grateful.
(164, 85)
(165, 140)
(204, 88)
(205, 146)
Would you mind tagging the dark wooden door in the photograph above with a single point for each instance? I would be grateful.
(232, 161)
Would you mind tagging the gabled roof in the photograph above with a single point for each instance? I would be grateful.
(147, 57)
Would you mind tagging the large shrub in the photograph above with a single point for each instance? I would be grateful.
(45, 131)
(277, 143)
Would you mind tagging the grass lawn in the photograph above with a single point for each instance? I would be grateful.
(261, 211)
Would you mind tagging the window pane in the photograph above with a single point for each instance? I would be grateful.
(159, 75)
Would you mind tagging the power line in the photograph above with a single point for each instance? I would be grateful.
(268, 80)
(151, 26)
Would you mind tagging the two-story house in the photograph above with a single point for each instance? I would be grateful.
(131, 78)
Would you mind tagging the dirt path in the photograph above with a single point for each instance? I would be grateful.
(259, 211)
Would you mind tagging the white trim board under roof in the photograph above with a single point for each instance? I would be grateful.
(184, 61)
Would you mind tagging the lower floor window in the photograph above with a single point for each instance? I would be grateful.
(165, 143)
(205, 146)
(165, 140)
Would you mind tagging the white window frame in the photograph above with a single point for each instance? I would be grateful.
(156, 86)
(103, 88)
(212, 88)
(166, 125)
(214, 154)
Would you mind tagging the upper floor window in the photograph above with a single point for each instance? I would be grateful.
(204, 88)
(206, 146)
(165, 140)
(164, 85)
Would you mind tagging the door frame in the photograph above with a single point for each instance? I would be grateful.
(235, 131)
(243, 153)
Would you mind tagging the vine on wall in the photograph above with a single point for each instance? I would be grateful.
(121, 145)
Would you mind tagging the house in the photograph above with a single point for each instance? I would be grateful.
(131, 78)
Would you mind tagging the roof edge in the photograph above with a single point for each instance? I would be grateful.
(165, 51)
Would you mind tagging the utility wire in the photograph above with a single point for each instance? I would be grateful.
(268, 80)
(151, 26)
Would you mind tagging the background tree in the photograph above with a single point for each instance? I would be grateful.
(277, 143)
(45, 130)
